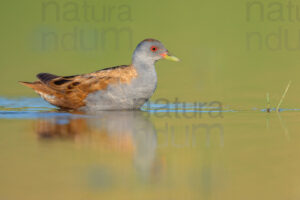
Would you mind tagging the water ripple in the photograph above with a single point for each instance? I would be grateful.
(31, 108)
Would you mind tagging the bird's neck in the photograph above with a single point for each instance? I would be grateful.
(140, 58)
(143, 64)
(146, 80)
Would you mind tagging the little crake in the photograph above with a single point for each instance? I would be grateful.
(124, 87)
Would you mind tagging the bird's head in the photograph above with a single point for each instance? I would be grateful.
(151, 50)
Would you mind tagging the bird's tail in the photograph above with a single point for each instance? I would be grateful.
(28, 84)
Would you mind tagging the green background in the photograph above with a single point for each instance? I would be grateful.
(210, 37)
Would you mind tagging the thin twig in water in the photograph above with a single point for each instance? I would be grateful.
(286, 89)
(268, 103)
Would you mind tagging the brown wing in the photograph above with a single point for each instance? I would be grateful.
(71, 91)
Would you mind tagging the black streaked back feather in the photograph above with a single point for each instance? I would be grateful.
(112, 68)
(46, 77)
(61, 81)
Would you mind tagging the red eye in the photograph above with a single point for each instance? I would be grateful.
(153, 48)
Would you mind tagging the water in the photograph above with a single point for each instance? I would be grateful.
(225, 154)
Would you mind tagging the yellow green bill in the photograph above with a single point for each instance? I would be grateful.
(171, 58)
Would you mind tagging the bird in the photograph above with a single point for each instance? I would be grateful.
(124, 87)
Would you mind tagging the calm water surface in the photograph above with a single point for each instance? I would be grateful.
(156, 153)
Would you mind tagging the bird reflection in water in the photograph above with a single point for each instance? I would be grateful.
(122, 131)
